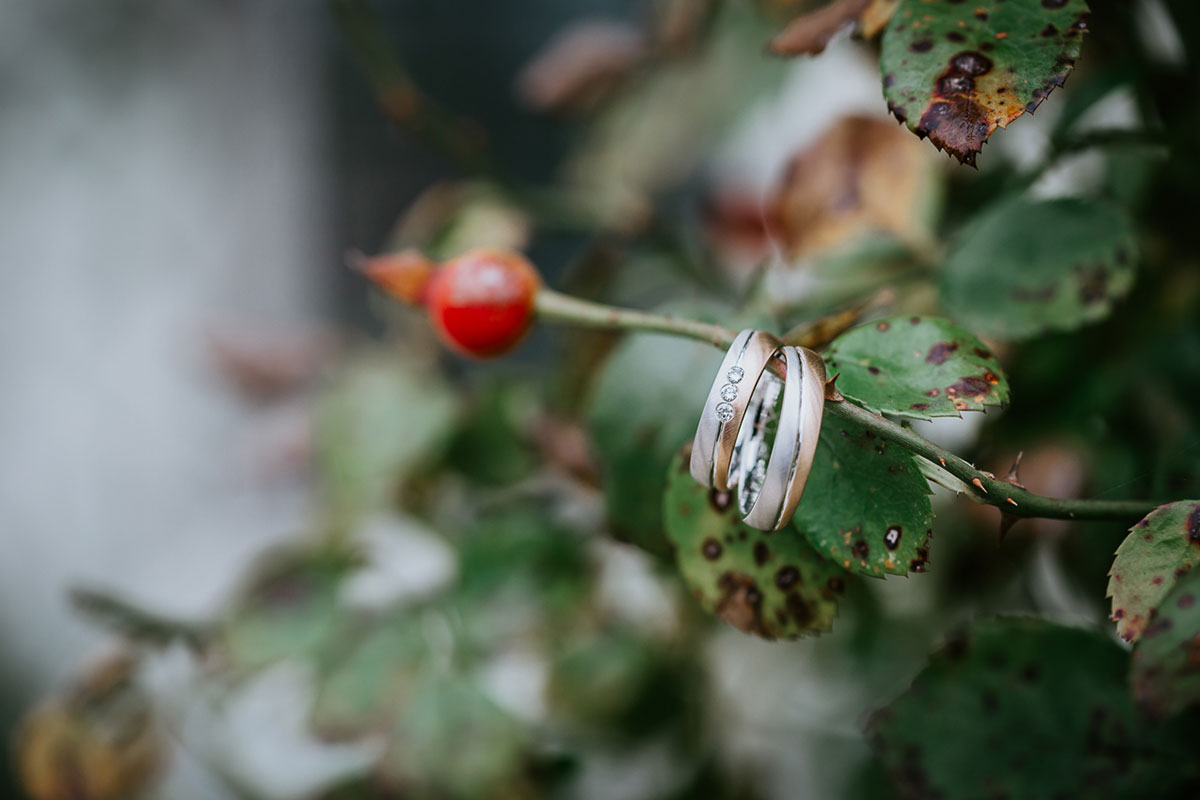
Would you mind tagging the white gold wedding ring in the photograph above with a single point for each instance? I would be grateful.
(725, 407)
(770, 483)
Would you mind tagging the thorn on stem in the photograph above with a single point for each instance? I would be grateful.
(832, 395)
(978, 484)
(1007, 520)
(1014, 472)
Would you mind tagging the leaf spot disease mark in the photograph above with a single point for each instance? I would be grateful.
(801, 611)
(970, 386)
(741, 603)
(787, 577)
(892, 538)
(762, 553)
(940, 352)
(711, 549)
(861, 550)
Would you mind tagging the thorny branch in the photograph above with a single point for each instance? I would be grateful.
(1011, 498)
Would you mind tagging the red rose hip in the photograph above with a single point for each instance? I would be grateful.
(481, 302)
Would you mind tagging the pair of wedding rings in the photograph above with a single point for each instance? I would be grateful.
(731, 453)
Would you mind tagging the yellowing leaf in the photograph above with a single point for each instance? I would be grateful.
(808, 33)
(863, 176)
(955, 71)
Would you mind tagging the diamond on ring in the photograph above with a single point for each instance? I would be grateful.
(729, 392)
(724, 412)
(735, 375)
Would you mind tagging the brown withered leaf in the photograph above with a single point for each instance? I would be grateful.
(97, 741)
(809, 33)
(862, 176)
(876, 17)
(266, 365)
(581, 66)
(680, 24)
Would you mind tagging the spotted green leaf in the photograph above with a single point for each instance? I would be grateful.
(1025, 267)
(866, 504)
(919, 367)
(1158, 550)
(1166, 661)
(1026, 708)
(773, 585)
(955, 71)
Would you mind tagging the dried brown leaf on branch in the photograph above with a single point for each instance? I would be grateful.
(864, 175)
(98, 740)
(679, 24)
(581, 66)
(809, 33)
(876, 17)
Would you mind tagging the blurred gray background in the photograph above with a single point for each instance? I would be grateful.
(174, 172)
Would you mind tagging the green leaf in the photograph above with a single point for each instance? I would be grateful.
(955, 71)
(378, 421)
(378, 674)
(625, 682)
(866, 504)
(519, 552)
(451, 740)
(491, 444)
(288, 609)
(918, 367)
(645, 405)
(659, 130)
(1025, 267)
(1025, 708)
(773, 585)
(1166, 662)
(601, 678)
(1158, 550)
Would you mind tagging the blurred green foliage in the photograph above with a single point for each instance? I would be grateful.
(1083, 309)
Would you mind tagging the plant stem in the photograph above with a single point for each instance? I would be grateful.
(1009, 497)
(557, 307)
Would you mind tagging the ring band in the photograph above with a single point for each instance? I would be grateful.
(730, 395)
(769, 487)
